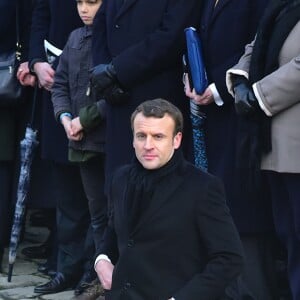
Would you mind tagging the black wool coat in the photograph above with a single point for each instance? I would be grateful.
(145, 41)
(52, 20)
(225, 30)
(184, 244)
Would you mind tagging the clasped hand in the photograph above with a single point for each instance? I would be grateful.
(244, 98)
(73, 128)
(104, 84)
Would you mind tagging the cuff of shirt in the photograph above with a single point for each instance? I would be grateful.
(101, 257)
(217, 98)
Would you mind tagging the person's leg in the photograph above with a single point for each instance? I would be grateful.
(284, 221)
(92, 174)
(292, 184)
(5, 205)
(73, 220)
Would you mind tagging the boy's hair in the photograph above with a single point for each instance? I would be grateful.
(157, 108)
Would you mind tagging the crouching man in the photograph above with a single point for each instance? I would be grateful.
(170, 234)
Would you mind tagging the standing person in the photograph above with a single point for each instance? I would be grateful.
(9, 116)
(169, 222)
(53, 20)
(137, 47)
(266, 86)
(241, 19)
(81, 116)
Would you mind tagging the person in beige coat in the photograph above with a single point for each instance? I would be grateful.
(266, 86)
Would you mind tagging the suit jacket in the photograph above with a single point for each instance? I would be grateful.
(145, 41)
(225, 30)
(279, 93)
(183, 246)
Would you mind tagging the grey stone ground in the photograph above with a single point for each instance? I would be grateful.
(25, 275)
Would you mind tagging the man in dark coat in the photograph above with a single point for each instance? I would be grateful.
(53, 20)
(170, 226)
(144, 41)
(239, 20)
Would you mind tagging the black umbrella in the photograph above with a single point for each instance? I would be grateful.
(27, 146)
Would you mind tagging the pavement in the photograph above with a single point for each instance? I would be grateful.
(25, 276)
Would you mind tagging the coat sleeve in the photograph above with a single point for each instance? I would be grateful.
(160, 49)
(39, 30)
(284, 83)
(220, 237)
(60, 91)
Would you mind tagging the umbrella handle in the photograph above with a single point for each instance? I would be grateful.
(33, 107)
(10, 270)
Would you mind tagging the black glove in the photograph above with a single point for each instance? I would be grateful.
(245, 100)
(115, 95)
(102, 76)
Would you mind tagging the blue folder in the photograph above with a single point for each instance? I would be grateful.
(194, 61)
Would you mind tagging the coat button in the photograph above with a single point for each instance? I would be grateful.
(127, 285)
(117, 26)
(130, 243)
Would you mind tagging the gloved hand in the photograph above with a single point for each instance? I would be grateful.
(115, 95)
(102, 76)
(245, 100)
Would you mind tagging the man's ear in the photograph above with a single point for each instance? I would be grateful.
(177, 140)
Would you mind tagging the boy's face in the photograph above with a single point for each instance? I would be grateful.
(87, 10)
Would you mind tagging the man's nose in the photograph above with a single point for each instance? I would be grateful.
(148, 143)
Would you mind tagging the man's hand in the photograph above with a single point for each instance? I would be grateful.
(104, 271)
(24, 76)
(103, 76)
(203, 99)
(45, 74)
(245, 100)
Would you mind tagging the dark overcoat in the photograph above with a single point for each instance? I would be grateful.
(184, 245)
(52, 20)
(145, 41)
(225, 30)
(8, 117)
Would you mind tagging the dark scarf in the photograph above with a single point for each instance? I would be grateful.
(254, 132)
(143, 182)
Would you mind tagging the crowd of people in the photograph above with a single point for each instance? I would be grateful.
(114, 172)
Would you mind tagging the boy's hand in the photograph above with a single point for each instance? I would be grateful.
(76, 126)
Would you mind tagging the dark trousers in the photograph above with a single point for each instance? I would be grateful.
(75, 246)
(285, 190)
(92, 175)
(6, 184)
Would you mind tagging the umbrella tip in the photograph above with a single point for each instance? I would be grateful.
(10, 269)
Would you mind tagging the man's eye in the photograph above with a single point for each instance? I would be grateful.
(158, 136)
(140, 136)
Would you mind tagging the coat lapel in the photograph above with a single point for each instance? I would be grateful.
(162, 194)
(219, 7)
(124, 7)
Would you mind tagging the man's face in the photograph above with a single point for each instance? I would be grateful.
(154, 141)
(87, 10)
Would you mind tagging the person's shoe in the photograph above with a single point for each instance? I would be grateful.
(46, 269)
(39, 252)
(87, 278)
(93, 292)
(58, 284)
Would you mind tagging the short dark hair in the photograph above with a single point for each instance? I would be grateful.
(157, 108)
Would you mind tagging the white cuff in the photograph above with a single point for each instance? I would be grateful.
(260, 102)
(229, 79)
(101, 257)
(217, 98)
